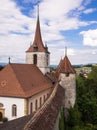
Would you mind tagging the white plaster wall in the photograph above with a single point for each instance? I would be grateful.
(8, 102)
(37, 97)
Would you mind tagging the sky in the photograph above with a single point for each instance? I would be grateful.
(64, 23)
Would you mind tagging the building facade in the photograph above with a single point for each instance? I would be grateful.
(24, 88)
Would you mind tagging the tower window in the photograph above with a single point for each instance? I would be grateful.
(67, 74)
(14, 110)
(35, 48)
(35, 59)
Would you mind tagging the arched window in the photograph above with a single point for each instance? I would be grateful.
(47, 95)
(67, 74)
(1, 105)
(36, 105)
(35, 48)
(44, 98)
(40, 101)
(35, 59)
(31, 108)
(14, 110)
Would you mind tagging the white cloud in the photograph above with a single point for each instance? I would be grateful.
(17, 30)
(31, 1)
(86, 2)
(84, 56)
(94, 52)
(14, 47)
(54, 9)
(89, 37)
(11, 19)
(76, 56)
(87, 11)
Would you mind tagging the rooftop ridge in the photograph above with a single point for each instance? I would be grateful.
(47, 109)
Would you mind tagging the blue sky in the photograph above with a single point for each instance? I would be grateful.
(71, 23)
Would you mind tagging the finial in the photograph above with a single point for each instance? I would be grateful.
(38, 10)
(9, 59)
(65, 51)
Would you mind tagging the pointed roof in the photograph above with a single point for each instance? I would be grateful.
(37, 39)
(65, 65)
(20, 80)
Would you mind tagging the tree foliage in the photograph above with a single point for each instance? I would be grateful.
(61, 120)
(83, 116)
(87, 97)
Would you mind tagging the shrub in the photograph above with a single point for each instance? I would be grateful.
(4, 119)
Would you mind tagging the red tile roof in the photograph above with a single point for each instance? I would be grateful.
(22, 80)
(16, 124)
(65, 66)
(37, 40)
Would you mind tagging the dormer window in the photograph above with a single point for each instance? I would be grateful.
(35, 47)
(67, 74)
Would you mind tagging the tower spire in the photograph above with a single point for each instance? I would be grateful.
(38, 11)
(37, 38)
(65, 51)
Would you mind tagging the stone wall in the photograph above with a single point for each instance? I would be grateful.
(43, 60)
(69, 84)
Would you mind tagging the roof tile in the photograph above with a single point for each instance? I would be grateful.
(21, 80)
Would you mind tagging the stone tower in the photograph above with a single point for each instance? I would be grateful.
(37, 53)
(67, 80)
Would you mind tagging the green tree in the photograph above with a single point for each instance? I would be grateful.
(62, 120)
(93, 74)
(74, 118)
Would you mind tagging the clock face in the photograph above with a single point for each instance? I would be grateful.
(3, 83)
